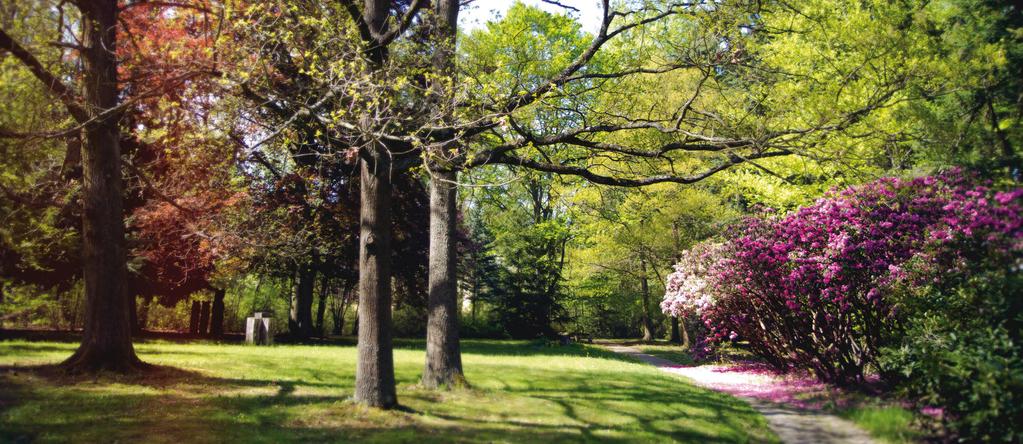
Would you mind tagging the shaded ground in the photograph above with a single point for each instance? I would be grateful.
(791, 422)
(522, 392)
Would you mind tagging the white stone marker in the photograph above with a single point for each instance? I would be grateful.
(258, 329)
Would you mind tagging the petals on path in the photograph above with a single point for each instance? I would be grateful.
(757, 381)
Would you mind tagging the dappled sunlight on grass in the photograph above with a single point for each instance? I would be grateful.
(520, 392)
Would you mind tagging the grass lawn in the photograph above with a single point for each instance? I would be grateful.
(522, 392)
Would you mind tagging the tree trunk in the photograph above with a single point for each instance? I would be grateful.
(301, 321)
(685, 334)
(443, 353)
(339, 306)
(321, 309)
(106, 337)
(648, 328)
(374, 375)
(675, 335)
(204, 318)
(217, 313)
(193, 319)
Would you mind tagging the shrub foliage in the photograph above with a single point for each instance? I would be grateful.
(915, 280)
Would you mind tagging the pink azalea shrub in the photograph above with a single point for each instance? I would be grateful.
(961, 313)
(812, 289)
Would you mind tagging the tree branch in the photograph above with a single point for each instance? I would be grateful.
(52, 83)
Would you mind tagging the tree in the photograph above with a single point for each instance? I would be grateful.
(379, 96)
(106, 342)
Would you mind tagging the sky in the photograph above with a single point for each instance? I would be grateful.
(480, 11)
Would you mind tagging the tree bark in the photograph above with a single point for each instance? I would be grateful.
(374, 375)
(204, 318)
(685, 334)
(301, 320)
(676, 337)
(106, 339)
(217, 314)
(648, 328)
(443, 353)
(193, 319)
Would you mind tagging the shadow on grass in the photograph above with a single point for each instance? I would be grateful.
(173, 404)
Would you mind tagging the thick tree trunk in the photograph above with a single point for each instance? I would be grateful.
(106, 339)
(443, 353)
(321, 309)
(374, 375)
(217, 313)
(648, 327)
(301, 321)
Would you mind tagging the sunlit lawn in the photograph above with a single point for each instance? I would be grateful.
(235, 393)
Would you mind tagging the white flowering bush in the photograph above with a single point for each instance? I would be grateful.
(688, 289)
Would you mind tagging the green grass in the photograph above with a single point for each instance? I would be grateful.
(886, 423)
(522, 392)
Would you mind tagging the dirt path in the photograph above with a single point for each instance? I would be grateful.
(793, 425)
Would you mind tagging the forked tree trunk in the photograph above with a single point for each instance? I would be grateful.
(443, 353)
(217, 313)
(106, 339)
(374, 375)
(648, 328)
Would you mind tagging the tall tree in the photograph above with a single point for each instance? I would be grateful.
(368, 92)
(443, 351)
(106, 341)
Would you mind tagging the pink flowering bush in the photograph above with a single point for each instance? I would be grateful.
(961, 307)
(813, 289)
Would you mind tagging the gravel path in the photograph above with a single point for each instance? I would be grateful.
(792, 424)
